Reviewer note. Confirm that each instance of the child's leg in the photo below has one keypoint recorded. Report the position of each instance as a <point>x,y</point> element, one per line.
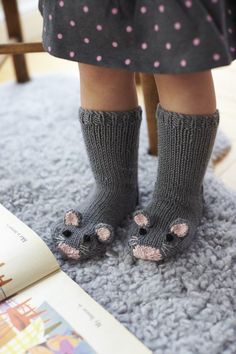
<point>107,89</point>
<point>187,126</point>
<point>187,93</point>
<point>110,120</point>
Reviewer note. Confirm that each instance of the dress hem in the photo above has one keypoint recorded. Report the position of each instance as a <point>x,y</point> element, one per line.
<point>180,70</point>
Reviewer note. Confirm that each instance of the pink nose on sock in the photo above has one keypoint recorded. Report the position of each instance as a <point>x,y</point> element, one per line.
<point>70,252</point>
<point>147,253</point>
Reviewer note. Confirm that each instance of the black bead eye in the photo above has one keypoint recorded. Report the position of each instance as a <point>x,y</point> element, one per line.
<point>87,238</point>
<point>169,237</point>
<point>142,231</point>
<point>67,233</point>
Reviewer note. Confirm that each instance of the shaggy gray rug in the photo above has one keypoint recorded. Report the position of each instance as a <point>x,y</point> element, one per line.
<point>184,306</point>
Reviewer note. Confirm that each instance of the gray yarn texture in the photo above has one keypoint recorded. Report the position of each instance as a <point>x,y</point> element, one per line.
<point>111,140</point>
<point>186,305</point>
<point>185,144</point>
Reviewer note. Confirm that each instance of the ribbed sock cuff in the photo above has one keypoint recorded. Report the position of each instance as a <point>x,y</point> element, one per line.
<point>88,116</point>
<point>173,119</point>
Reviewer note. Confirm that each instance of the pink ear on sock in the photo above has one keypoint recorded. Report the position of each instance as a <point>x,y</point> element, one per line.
<point>103,233</point>
<point>141,219</point>
<point>72,218</point>
<point>180,229</point>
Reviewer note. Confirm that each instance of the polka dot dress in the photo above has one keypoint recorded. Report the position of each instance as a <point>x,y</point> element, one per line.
<point>155,36</point>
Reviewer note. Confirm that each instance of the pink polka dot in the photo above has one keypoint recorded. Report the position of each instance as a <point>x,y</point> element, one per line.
<point>229,11</point>
<point>127,61</point>
<point>86,40</point>
<point>183,62</point>
<point>232,49</point>
<point>50,17</point>
<point>49,49</point>
<point>156,27</point>
<point>59,35</point>
<point>85,9</point>
<point>143,9</point>
<point>61,3</point>
<point>214,1</point>
<point>72,23</point>
<point>216,56</point>
<point>98,57</point>
<point>144,45</point>
<point>168,46</point>
<point>156,64</point>
<point>114,44</point>
<point>72,54</point>
<point>208,18</point>
<point>196,41</point>
<point>99,27</point>
<point>188,3</point>
<point>161,8</point>
<point>177,26</point>
<point>129,29</point>
<point>114,10</point>
<point>230,30</point>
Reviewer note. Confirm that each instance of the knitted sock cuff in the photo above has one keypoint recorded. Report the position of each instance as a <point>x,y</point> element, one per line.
<point>88,116</point>
<point>191,121</point>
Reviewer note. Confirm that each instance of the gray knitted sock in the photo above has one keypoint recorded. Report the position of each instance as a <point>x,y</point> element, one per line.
<point>111,140</point>
<point>168,224</point>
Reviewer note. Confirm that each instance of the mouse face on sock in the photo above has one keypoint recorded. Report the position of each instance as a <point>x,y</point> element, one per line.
<point>151,242</point>
<point>79,242</point>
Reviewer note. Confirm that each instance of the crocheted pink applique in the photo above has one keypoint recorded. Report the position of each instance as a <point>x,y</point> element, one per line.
<point>103,233</point>
<point>180,230</point>
<point>141,219</point>
<point>147,253</point>
<point>70,252</point>
<point>72,218</point>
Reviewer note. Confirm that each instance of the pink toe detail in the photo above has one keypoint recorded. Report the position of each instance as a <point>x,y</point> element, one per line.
<point>147,253</point>
<point>69,251</point>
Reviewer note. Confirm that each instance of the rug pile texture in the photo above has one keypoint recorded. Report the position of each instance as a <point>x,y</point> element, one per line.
<point>187,305</point>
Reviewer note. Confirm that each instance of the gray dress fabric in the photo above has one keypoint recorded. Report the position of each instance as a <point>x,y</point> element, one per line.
<point>155,36</point>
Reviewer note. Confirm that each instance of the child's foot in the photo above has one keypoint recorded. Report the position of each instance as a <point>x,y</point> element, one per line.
<point>111,140</point>
<point>168,224</point>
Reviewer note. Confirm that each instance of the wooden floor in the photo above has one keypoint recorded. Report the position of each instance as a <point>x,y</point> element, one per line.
<point>225,84</point>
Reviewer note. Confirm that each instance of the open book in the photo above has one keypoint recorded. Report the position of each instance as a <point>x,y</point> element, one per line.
<point>42,310</point>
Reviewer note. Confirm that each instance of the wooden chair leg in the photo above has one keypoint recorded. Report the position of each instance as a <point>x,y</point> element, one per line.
<point>151,99</point>
<point>14,31</point>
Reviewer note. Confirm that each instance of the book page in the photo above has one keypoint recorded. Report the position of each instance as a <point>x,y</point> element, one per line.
<point>24,257</point>
<point>56,316</point>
